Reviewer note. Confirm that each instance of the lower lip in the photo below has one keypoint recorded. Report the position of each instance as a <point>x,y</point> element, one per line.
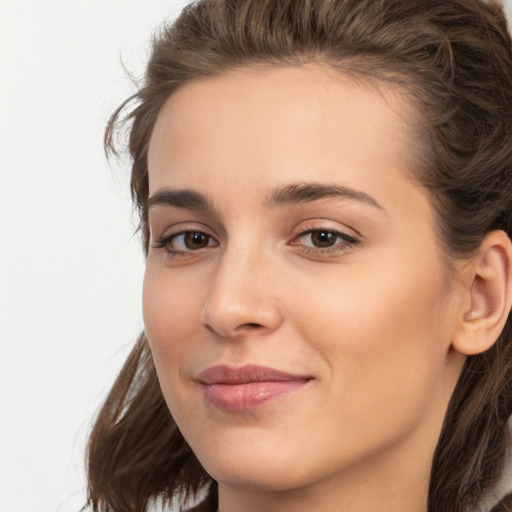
<point>243,397</point>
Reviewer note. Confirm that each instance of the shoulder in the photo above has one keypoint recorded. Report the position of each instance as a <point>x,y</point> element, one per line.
<point>501,498</point>
<point>505,505</point>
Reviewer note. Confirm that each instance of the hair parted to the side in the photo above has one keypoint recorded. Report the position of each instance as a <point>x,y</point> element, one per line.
<point>453,58</point>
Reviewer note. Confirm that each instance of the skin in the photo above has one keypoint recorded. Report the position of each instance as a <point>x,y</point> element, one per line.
<point>370,321</point>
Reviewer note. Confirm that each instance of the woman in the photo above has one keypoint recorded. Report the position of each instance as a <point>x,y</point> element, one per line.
<point>325,194</point>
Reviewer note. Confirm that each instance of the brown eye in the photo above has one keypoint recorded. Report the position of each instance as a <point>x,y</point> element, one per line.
<point>186,241</point>
<point>323,238</point>
<point>324,241</point>
<point>194,240</point>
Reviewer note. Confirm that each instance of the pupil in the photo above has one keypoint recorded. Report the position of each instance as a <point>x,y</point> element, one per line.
<point>323,238</point>
<point>196,240</point>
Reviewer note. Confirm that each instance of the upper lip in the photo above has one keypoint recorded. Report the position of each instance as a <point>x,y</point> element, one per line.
<point>225,374</point>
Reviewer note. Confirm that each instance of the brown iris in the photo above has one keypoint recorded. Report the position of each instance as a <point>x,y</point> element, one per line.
<point>323,238</point>
<point>196,240</point>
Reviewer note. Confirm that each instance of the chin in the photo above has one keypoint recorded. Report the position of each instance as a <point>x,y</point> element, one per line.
<point>249,464</point>
<point>267,477</point>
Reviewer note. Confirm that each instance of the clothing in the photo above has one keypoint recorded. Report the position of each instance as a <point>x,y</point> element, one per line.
<point>505,505</point>
<point>504,487</point>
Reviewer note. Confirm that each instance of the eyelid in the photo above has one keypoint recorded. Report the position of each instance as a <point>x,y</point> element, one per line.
<point>348,240</point>
<point>341,234</point>
<point>185,254</point>
<point>179,228</point>
<point>174,238</point>
<point>325,224</point>
<point>182,228</point>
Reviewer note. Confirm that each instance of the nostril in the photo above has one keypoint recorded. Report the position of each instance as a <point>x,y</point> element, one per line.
<point>240,328</point>
<point>249,326</point>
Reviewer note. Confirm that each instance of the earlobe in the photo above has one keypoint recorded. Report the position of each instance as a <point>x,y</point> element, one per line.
<point>488,281</point>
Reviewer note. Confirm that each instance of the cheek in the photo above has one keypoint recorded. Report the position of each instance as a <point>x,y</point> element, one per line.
<point>383,336</point>
<point>171,310</point>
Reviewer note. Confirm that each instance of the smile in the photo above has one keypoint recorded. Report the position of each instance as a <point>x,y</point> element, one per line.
<point>247,387</point>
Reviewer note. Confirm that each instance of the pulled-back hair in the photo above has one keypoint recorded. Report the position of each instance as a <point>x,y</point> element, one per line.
<point>453,59</point>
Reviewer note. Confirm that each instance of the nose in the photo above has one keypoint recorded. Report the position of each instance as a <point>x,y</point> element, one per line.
<point>243,297</point>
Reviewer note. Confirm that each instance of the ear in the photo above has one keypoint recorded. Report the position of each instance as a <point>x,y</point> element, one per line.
<point>488,295</point>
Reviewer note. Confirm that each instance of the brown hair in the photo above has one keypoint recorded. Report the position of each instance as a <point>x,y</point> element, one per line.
<point>454,59</point>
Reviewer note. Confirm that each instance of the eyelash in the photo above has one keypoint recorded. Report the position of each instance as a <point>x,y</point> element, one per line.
<point>165,243</point>
<point>345,242</point>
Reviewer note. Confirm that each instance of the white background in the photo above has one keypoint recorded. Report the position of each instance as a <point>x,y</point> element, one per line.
<point>70,268</point>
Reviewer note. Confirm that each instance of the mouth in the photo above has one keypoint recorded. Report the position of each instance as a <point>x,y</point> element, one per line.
<point>247,387</point>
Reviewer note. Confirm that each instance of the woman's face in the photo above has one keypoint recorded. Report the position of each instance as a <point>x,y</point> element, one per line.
<point>298,311</point>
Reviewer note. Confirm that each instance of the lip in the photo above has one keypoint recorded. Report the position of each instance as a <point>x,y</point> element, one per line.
<point>247,387</point>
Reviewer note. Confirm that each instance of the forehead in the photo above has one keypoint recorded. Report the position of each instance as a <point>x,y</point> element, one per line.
<point>274,125</point>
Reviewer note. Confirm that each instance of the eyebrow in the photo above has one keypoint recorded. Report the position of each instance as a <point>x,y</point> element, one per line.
<point>308,192</point>
<point>182,198</point>
<point>294,193</point>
